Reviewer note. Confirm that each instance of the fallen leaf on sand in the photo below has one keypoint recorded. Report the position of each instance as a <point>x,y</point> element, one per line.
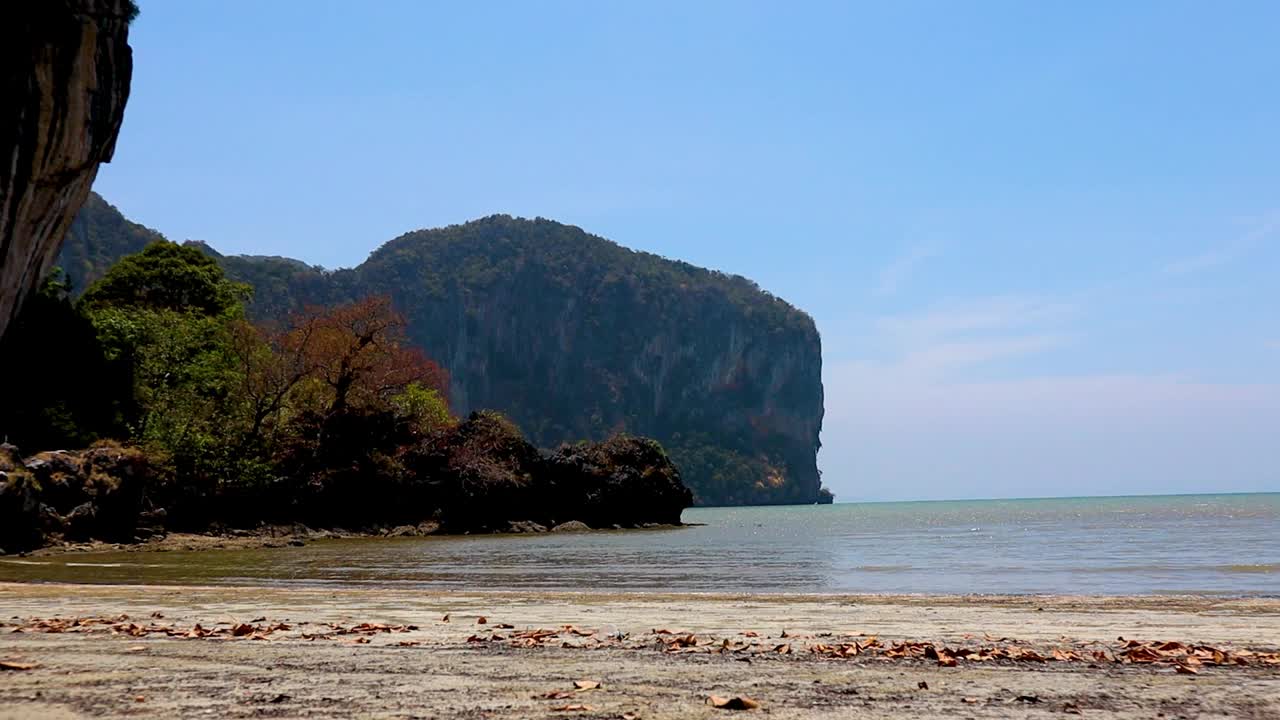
<point>586,684</point>
<point>737,702</point>
<point>482,620</point>
<point>140,698</point>
<point>969,700</point>
<point>138,648</point>
<point>1186,670</point>
<point>573,708</point>
<point>555,695</point>
<point>13,665</point>
<point>629,716</point>
<point>445,618</point>
<point>922,685</point>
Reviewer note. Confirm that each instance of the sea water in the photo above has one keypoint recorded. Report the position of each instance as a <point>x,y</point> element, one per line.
<point>1200,544</point>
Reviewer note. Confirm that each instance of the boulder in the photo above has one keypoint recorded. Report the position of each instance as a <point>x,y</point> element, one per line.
<point>98,494</point>
<point>571,526</point>
<point>10,458</point>
<point>19,512</point>
<point>525,526</point>
<point>81,522</point>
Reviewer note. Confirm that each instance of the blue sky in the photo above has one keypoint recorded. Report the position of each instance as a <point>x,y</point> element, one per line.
<point>1041,240</point>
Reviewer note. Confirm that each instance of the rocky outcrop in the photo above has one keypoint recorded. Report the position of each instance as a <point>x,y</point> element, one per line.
<point>486,477</point>
<point>575,338</point>
<point>19,504</point>
<point>478,476</point>
<point>65,68</point>
<point>99,493</point>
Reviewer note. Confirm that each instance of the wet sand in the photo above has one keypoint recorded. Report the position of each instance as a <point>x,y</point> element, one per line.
<point>433,670</point>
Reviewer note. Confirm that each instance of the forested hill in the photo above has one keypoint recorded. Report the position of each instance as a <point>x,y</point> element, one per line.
<point>574,337</point>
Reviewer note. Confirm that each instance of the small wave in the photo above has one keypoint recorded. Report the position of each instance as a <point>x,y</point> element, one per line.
<point>26,562</point>
<point>1258,568</point>
<point>882,568</point>
<point>89,564</point>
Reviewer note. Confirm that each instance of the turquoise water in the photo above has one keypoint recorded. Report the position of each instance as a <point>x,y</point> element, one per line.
<point>1205,544</point>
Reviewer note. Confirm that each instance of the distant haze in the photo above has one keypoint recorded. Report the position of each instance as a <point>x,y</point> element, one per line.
<point>1041,242</point>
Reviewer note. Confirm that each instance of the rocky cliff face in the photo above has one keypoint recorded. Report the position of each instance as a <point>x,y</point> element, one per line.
<point>575,338</point>
<point>65,67</point>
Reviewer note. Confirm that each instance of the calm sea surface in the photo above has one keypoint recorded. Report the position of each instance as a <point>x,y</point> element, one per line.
<point>1215,544</point>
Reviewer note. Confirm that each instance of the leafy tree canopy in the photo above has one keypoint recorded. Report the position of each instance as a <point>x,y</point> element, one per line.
<point>169,276</point>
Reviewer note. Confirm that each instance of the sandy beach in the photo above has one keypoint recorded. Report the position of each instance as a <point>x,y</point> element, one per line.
<point>164,652</point>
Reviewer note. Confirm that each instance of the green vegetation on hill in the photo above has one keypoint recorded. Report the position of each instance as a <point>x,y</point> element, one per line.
<point>575,337</point>
<point>331,417</point>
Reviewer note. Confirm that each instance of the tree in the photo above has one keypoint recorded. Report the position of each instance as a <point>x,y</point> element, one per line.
<point>360,354</point>
<point>61,390</point>
<point>272,364</point>
<point>424,407</point>
<point>169,276</point>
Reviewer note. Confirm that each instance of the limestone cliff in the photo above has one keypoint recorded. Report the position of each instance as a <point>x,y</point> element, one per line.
<point>65,67</point>
<point>574,337</point>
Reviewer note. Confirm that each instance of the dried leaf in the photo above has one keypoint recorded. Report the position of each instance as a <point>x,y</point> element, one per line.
<point>1186,670</point>
<point>573,708</point>
<point>482,620</point>
<point>737,702</point>
<point>586,684</point>
<point>14,665</point>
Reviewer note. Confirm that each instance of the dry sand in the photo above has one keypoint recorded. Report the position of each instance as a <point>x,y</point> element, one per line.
<point>437,673</point>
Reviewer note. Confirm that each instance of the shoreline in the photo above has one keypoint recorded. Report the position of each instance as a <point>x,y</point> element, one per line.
<point>392,653</point>
<point>280,536</point>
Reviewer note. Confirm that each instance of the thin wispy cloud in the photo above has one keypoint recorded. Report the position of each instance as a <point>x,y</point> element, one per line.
<point>1226,252</point>
<point>989,315</point>
<point>942,341</point>
<point>896,273</point>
